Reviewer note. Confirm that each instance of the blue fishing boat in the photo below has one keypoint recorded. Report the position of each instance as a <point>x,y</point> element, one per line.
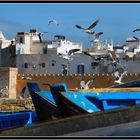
<point>93,100</point>
<point>71,103</point>
<point>10,120</point>
<point>62,102</point>
<point>44,103</point>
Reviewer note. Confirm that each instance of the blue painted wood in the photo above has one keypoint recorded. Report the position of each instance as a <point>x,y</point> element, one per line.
<point>100,100</point>
<point>70,103</point>
<point>65,103</point>
<point>44,102</point>
<point>16,119</point>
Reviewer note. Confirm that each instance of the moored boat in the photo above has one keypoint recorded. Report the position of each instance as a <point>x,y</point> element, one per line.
<point>10,120</point>
<point>44,103</point>
<point>76,102</point>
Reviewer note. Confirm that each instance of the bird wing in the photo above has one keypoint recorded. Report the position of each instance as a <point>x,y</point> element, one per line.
<point>23,92</point>
<point>93,24</point>
<point>86,53</point>
<point>40,39</point>
<point>89,83</point>
<point>98,34</point>
<point>51,21</point>
<point>138,29</point>
<point>135,38</point>
<point>91,33</point>
<point>72,51</point>
<point>124,73</point>
<point>79,27</point>
<point>116,74</point>
<point>82,84</point>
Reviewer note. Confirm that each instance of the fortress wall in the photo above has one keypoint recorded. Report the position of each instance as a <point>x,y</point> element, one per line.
<point>72,80</point>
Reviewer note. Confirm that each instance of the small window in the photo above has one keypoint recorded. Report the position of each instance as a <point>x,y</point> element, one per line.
<point>26,65</point>
<point>45,50</point>
<point>43,65</point>
<point>53,62</point>
<point>80,69</point>
<point>21,39</point>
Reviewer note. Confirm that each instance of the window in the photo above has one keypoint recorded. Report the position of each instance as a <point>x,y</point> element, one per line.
<point>53,62</point>
<point>45,50</point>
<point>80,69</point>
<point>26,65</point>
<point>43,65</point>
<point>21,39</point>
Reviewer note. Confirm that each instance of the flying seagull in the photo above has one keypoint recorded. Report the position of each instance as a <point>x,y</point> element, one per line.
<point>135,38</point>
<point>119,77</point>
<point>138,29</point>
<point>88,30</point>
<point>86,85</point>
<point>52,21</point>
<point>73,51</point>
<point>40,36</point>
<point>86,53</point>
<point>69,54</point>
<point>98,35</point>
<point>22,93</point>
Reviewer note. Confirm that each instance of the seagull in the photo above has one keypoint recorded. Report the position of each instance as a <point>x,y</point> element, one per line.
<point>69,54</point>
<point>21,95</point>
<point>98,35</point>
<point>135,38</point>
<point>96,39</point>
<point>138,29</point>
<point>86,53</point>
<point>52,21</point>
<point>119,77</point>
<point>88,30</point>
<point>114,62</point>
<point>86,85</point>
<point>40,34</point>
<point>26,78</point>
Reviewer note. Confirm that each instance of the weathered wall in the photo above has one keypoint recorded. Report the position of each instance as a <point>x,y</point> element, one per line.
<point>8,57</point>
<point>12,82</point>
<point>8,78</point>
<point>48,59</point>
<point>72,80</point>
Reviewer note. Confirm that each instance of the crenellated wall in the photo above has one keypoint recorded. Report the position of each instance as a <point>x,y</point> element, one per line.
<point>72,80</point>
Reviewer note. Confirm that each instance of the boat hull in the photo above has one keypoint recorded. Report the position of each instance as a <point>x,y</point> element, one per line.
<point>10,120</point>
<point>46,109</point>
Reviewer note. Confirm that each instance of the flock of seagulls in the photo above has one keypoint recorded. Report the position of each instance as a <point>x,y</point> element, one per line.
<point>68,55</point>
<point>118,73</point>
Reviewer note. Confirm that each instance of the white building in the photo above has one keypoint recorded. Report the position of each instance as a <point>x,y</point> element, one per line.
<point>30,43</point>
<point>3,41</point>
